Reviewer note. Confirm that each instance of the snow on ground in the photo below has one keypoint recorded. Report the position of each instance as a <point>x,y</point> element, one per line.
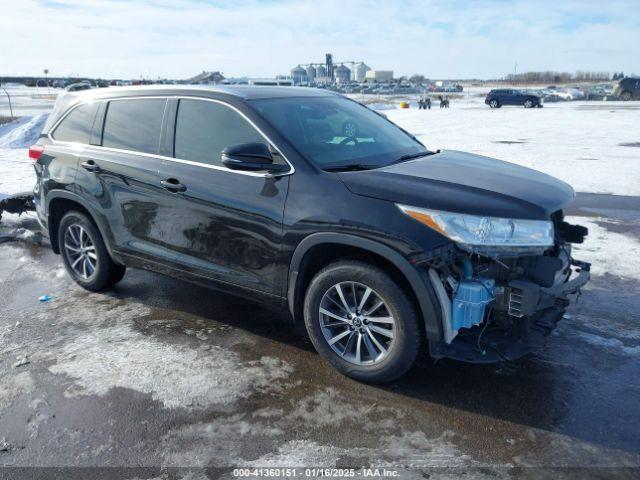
<point>610,253</point>
<point>16,169</point>
<point>581,143</point>
<point>26,101</point>
<point>118,356</point>
<point>409,450</point>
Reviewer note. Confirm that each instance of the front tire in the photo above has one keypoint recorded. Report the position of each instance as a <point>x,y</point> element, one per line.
<point>528,104</point>
<point>494,103</point>
<point>362,322</point>
<point>625,96</point>
<point>85,255</point>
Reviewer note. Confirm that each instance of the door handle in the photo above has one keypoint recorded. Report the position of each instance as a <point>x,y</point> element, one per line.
<point>173,185</point>
<point>90,165</point>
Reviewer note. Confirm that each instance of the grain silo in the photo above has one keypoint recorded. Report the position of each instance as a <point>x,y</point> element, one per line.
<point>343,74</point>
<point>298,75</point>
<point>359,72</point>
<point>321,71</point>
<point>311,73</point>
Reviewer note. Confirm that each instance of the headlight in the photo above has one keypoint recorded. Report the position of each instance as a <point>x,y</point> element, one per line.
<point>477,233</point>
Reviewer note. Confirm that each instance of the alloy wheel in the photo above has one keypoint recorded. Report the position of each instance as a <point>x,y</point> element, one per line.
<point>357,323</point>
<point>80,251</point>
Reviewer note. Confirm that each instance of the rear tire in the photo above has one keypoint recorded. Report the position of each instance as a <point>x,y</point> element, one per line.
<point>625,96</point>
<point>376,345</point>
<point>85,255</point>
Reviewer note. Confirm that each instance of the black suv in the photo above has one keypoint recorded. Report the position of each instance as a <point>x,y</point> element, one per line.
<point>627,89</point>
<point>510,96</point>
<point>379,245</point>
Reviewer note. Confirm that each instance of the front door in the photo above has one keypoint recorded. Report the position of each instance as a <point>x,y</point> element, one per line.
<point>222,224</point>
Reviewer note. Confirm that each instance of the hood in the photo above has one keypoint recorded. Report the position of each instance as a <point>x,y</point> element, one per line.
<point>464,183</point>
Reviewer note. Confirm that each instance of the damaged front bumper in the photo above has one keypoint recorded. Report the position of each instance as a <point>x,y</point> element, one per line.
<point>519,303</point>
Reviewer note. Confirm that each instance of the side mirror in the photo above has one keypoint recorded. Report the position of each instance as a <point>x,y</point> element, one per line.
<point>252,157</point>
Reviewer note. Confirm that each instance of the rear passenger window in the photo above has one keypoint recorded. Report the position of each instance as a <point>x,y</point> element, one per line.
<point>204,129</point>
<point>134,124</point>
<point>76,127</point>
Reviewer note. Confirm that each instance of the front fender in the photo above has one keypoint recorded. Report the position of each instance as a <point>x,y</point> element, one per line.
<point>416,277</point>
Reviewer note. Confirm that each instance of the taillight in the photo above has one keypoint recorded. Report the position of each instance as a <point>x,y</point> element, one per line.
<point>35,152</point>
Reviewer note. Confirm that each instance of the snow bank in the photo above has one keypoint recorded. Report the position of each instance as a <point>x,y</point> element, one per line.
<point>16,170</point>
<point>22,133</point>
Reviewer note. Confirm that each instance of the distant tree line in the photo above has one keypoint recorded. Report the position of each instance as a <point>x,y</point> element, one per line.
<point>561,77</point>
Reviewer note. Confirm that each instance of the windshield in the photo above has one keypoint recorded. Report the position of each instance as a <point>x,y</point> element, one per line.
<point>335,132</point>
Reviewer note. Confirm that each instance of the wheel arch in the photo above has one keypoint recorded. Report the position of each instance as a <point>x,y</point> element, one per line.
<point>58,203</point>
<point>319,249</point>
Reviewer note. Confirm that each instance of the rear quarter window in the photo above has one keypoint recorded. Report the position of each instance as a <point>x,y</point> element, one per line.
<point>134,124</point>
<point>76,126</point>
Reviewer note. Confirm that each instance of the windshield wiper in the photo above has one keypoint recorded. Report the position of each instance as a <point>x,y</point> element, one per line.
<point>352,167</point>
<point>411,156</point>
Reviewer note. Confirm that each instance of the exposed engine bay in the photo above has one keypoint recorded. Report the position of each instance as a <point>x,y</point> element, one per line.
<point>501,306</point>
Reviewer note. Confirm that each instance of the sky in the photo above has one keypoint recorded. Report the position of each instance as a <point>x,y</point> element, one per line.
<point>439,39</point>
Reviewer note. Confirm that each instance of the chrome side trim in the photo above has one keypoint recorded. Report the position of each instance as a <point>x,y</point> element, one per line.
<point>172,159</point>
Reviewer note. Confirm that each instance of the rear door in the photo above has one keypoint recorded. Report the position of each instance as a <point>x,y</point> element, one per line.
<point>58,168</point>
<point>119,173</point>
<point>219,223</point>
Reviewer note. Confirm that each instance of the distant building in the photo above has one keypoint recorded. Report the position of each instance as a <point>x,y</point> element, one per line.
<point>311,73</point>
<point>342,74</point>
<point>321,72</point>
<point>299,75</point>
<point>207,78</point>
<point>359,72</point>
<point>379,76</point>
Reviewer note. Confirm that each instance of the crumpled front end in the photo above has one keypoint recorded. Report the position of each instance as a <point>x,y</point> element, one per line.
<point>500,307</point>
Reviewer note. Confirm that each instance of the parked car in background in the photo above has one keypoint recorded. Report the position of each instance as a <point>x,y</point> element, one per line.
<point>381,247</point>
<point>562,94</point>
<point>627,89</point>
<point>575,93</point>
<point>508,96</point>
<point>76,87</point>
<point>598,92</point>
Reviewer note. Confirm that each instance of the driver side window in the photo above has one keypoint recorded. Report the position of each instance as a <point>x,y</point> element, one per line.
<point>204,129</point>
